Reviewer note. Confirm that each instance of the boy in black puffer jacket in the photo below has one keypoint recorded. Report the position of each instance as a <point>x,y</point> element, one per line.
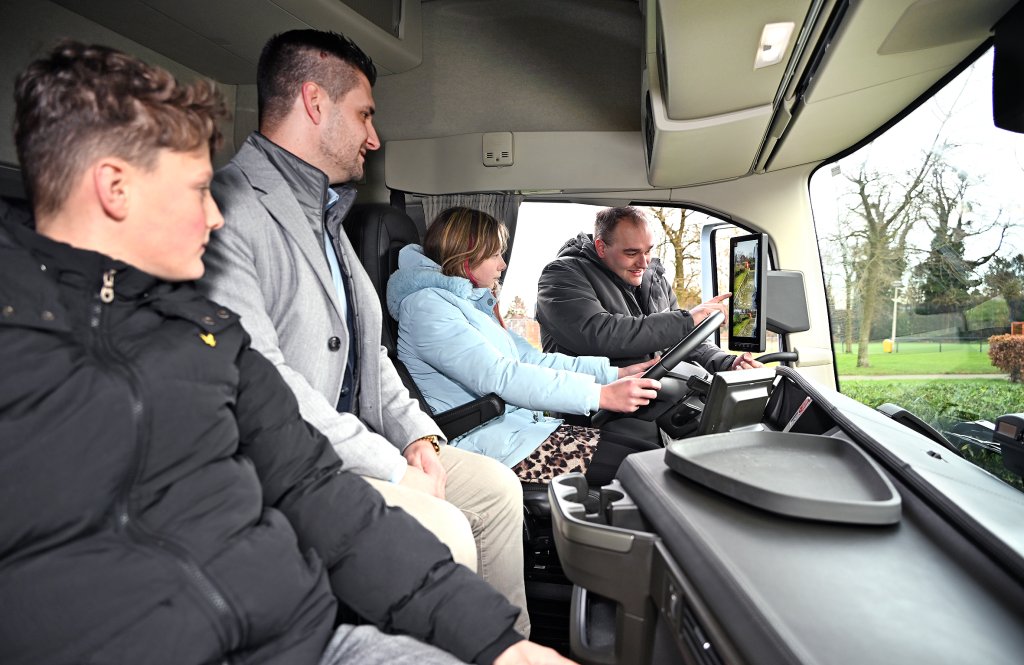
<point>163,500</point>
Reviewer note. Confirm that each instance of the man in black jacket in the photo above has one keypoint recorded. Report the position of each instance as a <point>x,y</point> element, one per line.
<point>606,296</point>
<point>163,500</point>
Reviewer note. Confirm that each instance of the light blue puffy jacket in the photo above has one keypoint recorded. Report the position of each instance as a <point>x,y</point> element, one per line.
<point>456,351</point>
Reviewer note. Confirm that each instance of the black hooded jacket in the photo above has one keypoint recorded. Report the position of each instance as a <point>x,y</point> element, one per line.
<point>163,501</point>
<point>584,309</point>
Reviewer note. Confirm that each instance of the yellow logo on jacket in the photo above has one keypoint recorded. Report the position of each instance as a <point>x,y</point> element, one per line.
<point>208,338</point>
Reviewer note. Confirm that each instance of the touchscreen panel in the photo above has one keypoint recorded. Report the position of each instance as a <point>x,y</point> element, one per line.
<point>748,267</point>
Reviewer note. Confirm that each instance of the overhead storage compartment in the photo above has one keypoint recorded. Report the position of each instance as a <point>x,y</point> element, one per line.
<point>697,129</point>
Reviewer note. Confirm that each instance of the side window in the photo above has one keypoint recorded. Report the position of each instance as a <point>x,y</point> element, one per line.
<point>921,239</point>
<point>543,229</point>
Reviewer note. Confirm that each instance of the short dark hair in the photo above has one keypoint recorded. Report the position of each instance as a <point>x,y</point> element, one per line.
<point>81,102</point>
<point>291,58</point>
<point>609,218</point>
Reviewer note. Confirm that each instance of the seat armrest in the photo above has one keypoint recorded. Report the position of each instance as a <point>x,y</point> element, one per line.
<point>456,422</point>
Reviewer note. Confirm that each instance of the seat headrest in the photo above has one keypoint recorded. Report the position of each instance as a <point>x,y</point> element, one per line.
<point>378,232</point>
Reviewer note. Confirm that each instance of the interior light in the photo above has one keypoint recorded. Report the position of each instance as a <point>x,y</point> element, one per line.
<point>774,41</point>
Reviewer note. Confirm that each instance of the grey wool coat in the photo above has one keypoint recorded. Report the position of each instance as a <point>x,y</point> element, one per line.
<point>268,264</point>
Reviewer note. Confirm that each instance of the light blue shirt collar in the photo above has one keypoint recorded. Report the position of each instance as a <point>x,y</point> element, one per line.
<point>332,257</point>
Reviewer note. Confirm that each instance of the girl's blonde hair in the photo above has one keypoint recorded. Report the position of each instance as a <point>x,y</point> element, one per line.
<point>463,237</point>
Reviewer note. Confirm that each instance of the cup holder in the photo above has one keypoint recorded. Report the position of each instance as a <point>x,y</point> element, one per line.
<point>598,505</point>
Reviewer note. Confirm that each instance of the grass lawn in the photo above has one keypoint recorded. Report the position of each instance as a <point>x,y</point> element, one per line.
<point>919,358</point>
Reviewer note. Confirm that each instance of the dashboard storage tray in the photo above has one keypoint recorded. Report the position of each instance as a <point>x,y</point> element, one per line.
<point>797,475</point>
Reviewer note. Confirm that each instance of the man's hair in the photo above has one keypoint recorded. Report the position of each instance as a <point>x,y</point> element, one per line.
<point>83,102</point>
<point>461,236</point>
<point>291,58</point>
<point>609,218</point>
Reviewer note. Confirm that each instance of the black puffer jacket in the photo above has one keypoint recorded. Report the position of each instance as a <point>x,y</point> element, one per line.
<point>584,309</point>
<point>163,502</point>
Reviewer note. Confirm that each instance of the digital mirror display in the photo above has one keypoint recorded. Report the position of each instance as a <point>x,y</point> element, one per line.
<point>748,267</point>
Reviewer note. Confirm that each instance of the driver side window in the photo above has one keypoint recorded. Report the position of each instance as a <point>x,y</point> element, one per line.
<point>680,244</point>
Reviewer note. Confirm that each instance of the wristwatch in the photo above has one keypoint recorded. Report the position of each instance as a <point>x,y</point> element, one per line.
<point>432,438</point>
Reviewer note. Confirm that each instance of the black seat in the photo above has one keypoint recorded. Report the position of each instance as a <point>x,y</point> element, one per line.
<point>378,232</point>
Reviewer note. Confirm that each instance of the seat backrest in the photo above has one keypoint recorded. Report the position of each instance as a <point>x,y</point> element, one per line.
<point>378,232</point>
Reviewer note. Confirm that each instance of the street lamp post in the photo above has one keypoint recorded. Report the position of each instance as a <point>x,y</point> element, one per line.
<point>895,302</point>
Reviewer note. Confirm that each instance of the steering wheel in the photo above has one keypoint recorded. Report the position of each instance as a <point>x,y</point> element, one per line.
<point>676,355</point>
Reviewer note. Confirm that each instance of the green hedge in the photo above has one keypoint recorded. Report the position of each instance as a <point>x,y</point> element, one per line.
<point>942,403</point>
<point>1007,353</point>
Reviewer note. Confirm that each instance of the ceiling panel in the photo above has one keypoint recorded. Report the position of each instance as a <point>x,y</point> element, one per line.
<point>223,39</point>
<point>709,49</point>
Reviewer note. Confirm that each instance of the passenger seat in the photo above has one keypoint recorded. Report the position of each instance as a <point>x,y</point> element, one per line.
<point>378,232</point>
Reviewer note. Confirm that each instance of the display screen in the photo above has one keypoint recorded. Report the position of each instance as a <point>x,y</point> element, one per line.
<point>748,266</point>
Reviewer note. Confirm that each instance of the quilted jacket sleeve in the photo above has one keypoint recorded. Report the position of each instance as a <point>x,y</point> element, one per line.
<point>572,313</point>
<point>438,333</point>
<point>595,366</point>
<point>381,562</point>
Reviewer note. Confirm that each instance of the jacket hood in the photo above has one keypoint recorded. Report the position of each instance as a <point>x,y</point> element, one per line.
<point>582,246</point>
<point>416,272</point>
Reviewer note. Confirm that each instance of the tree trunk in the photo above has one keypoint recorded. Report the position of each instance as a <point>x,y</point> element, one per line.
<point>848,337</point>
<point>866,317</point>
<point>679,283</point>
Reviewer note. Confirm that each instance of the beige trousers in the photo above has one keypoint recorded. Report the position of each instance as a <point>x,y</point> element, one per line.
<point>481,522</point>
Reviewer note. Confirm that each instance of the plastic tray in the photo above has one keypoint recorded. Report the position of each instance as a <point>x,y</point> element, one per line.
<point>798,475</point>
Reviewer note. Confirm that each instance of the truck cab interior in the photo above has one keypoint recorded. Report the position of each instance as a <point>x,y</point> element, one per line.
<point>727,109</point>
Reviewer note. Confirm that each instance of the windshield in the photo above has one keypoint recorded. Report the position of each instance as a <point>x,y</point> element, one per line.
<point>921,238</point>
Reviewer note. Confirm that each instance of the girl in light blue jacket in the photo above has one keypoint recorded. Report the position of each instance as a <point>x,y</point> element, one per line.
<point>456,347</point>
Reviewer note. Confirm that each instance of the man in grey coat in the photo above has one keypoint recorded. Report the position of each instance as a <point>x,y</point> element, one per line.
<point>606,296</point>
<point>284,263</point>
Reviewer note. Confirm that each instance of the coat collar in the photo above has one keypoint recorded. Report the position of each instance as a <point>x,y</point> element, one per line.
<point>417,272</point>
<point>295,194</point>
<point>80,268</point>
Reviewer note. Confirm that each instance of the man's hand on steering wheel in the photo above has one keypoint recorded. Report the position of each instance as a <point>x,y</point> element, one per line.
<point>638,368</point>
<point>746,361</point>
<point>629,394</point>
<point>716,304</point>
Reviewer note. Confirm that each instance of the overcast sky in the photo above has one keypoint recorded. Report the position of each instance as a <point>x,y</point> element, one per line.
<point>992,157</point>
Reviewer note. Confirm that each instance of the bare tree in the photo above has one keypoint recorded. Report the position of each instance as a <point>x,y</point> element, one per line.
<point>946,278</point>
<point>883,210</point>
<point>682,239</point>
<point>845,248</point>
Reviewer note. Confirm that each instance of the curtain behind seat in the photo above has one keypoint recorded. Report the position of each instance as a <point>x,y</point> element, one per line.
<point>503,207</point>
